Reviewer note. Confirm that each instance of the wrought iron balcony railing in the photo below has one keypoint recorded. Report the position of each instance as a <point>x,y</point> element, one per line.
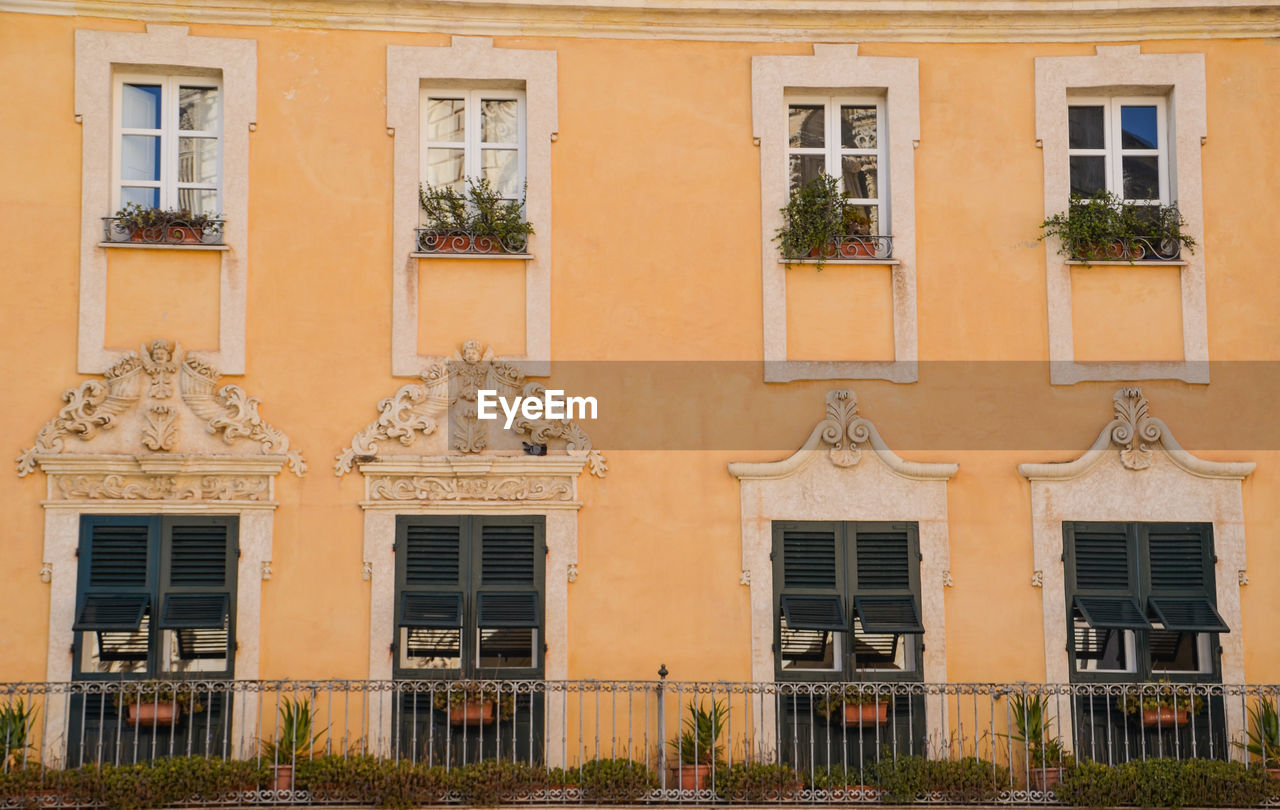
<point>171,232</point>
<point>681,742</point>
<point>860,246</point>
<point>434,240</point>
<point>1128,249</point>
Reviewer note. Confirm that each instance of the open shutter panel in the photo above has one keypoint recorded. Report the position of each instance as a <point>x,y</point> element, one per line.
<point>432,611</point>
<point>115,594</point>
<point>111,611</point>
<point>507,609</point>
<point>194,611</point>
<point>883,559</point>
<point>1102,558</point>
<point>1112,612</point>
<point>1193,614</point>
<point>888,614</point>
<point>813,612</point>
<point>432,554</point>
<point>809,558</point>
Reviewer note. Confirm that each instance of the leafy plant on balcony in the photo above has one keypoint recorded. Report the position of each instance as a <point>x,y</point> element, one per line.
<point>481,213</point>
<point>293,734</point>
<point>134,217</point>
<point>1164,783</point>
<point>17,721</point>
<point>1104,227</point>
<point>458,697</point>
<point>699,741</point>
<point>817,216</point>
<point>1030,717</point>
<point>1163,695</point>
<point>157,692</point>
<point>849,695</point>
<point>1263,733</point>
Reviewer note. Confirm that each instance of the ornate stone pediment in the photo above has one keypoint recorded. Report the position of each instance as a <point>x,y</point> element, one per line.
<point>156,426</point>
<point>1134,434</point>
<point>437,417</point>
<point>477,481</point>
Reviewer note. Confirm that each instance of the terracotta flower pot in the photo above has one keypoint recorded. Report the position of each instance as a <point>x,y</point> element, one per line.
<point>281,777</point>
<point>1165,717</point>
<point>1043,779</point>
<point>168,234</point>
<point>150,713</point>
<point>467,244</point>
<point>692,777</point>
<point>856,249</point>
<point>867,714</point>
<point>473,713</point>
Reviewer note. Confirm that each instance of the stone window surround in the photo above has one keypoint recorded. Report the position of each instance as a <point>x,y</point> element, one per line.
<point>838,68</point>
<point>807,487</point>
<point>380,513</point>
<point>1124,70</point>
<point>162,48</point>
<point>62,539</point>
<point>470,59</point>
<point>1157,482</point>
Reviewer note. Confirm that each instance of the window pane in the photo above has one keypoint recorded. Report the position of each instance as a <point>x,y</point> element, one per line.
<point>860,176</point>
<point>197,160</point>
<point>198,201</point>
<point>140,106</point>
<point>446,119</point>
<point>808,649</point>
<point>445,168</point>
<point>198,108</point>
<point>1102,650</point>
<point>498,123</point>
<point>421,648</point>
<point>1177,652</point>
<point>115,651</point>
<point>807,125</point>
<point>858,127</point>
<point>191,650</point>
<point>507,647</point>
<point>501,167</point>
<point>1084,128</point>
<point>1088,174</point>
<point>1138,128</point>
<point>881,651</point>
<point>805,168</point>
<point>1141,178</point>
<point>863,219</point>
<point>146,197</point>
<point>140,157</point>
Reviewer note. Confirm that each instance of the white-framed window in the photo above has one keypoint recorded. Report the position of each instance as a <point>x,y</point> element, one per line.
<point>474,133</point>
<point>843,136</point>
<point>1121,145</point>
<point>167,150</point>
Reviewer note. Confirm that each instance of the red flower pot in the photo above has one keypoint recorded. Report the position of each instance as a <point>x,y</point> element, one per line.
<point>867,714</point>
<point>1165,717</point>
<point>473,713</point>
<point>150,713</point>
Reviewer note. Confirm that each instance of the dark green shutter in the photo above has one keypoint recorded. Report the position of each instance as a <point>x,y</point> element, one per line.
<point>432,553</point>
<point>1102,576</point>
<point>813,612</point>
<point>511,561</point>
<point>115,573</point>
<point>809,556</point>
<point>1112,612</point>
<point>431,572</point>
<point>199,562</point>
<point>885,558</point>
<point>1193,614</point>
<point>888,614</point>
<point>1182,592</point>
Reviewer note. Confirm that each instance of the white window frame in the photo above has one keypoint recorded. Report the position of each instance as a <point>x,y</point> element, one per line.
<point>1113,150</point>
<point>471,144</point>
<point>169,135</point>
<point>833,150</point>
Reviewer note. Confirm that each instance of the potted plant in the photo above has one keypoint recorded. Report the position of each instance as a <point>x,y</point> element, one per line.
<point>1264,736</point>
<point>1104,227</point>
<point>140,223</point>
<point>820,223</point>
<point>17,720</point>
<point>859,706</point>
<point>475,704</point>
<point>1161,705</point>
<point>157,703</point>
<point>293,741</point>
<point>1046,756</point>
<point>480,220</point>
<point>698,745</point>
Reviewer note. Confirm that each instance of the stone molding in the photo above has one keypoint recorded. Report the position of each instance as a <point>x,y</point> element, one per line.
<point>469,59</point>
<point>731,20</point>
<point>459,482</point>
<point>163,48</point>
<point>1125,70</point>
<point>838,66</point>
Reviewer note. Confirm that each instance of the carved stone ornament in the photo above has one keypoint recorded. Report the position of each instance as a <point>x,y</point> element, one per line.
<point>1133,429</point>
<point>429,488</point>
<point>844,429</point>
<point>157,427</point>
<point>572,573</point>
<point>447,397</point>
<point>1037,578</point>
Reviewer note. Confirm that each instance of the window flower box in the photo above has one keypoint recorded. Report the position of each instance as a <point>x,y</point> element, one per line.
<point>479,221</point>
<point>820,222</point>
<point>1105,227</point>
<point>155,226</point>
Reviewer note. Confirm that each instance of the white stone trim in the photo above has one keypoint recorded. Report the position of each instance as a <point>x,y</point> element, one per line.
<point>561,562</point>
<point>1123,69</point>
<point>838,67</point>
<point>470,59</point>
<point>825,480</point>
<point>164,47</point>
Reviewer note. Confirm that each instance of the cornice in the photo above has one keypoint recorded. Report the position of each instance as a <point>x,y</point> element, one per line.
<point>722,20</point>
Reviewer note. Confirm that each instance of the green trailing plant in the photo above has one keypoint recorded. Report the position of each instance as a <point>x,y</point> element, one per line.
<point>1030,716</point>
<point>1164,783</point>
<point>1092,227</point>
<point>155,691</point>
<point>480,212</point>
<point>134,217</point>
<point>906,778</point>
<point>17,722</point>
<point>816,218</point>
<point>366,779</point>
<point>1163,695</point>
<point>496,781</point>
<point>1263,734</point>
<point>294,737</point>
<point>615,781</point>
<point>458,697</point>
<point>757,783</point>
<point>699,739</point>
<point>833,703</point>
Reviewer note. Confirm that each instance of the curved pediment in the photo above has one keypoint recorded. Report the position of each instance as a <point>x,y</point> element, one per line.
<point>843,435</point>
<point>1134,435</point>
<point>155,426</point>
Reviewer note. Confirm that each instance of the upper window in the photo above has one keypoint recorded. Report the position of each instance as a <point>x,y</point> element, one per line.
<point>1141,600</point>
<point>847,599</point>
<point>168,144</point>
<point>1119,145</point>
<point>156,596</point>
<point>844,138</point>
<point>474,134</point>
<point>469,596</point>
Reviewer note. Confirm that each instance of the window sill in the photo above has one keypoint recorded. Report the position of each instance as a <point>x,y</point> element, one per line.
<point>881,262</point>
<point>160,246</point>
<point>1134,263</point>
<point>444,255</point>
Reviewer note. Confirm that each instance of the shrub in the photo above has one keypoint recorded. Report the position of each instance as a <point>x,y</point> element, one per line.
<point>163,782</point>
<point>495,781</point>
<point>756,783</point>
<point>1164,783</point>
<point>969,779</point>
<point>366,779</point>
<point>481,212</point>
<point>816,216</point>
<point>616,780</point>
<point>1091,226</point>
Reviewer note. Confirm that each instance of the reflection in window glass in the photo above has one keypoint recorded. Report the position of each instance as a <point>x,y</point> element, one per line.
<point>858,127</point>
<point>860,177</point>
<point>805,168</point>
<point>806,126</point>
<point>1178,652</point>
<point>115,651</point>
<point>1138,128</point>
<point>1086,127</point>
<point>1141,178</point>
<point>445,167</point>
<point>141,106</point>
<point>809,649</point>
<point>499,122</point>
<point>446,119</point>
<point>507,647</point>
<point>1102,650</point>
<point>422,648</point>
<point>1088,174</point>
<point>501,167</point>
<point>194,650</point>
<point>881,651</point>
<point>198,109</point>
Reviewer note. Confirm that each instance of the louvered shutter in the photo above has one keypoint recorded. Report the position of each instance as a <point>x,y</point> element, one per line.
<point>1102,562</point>
<point>886,575</point>
<point>199,573</point>
<point>807,562</point>
<point>431,572</point>
<point>1180,564</point>
<point>115,573</point>
<point>510,562</point>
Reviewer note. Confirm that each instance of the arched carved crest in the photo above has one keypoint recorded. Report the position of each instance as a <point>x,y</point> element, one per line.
<point>156,426</point>
<point>446,398</point>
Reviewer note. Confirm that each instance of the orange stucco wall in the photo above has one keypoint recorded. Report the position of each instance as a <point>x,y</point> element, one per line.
<point>656,199</point>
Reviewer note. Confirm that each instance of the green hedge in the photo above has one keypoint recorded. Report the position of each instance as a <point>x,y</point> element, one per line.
<point>1165,783</point>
